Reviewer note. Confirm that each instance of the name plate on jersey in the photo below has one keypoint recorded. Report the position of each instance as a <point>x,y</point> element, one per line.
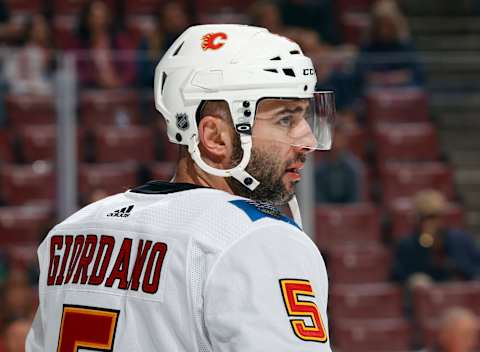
<point>132,265</point>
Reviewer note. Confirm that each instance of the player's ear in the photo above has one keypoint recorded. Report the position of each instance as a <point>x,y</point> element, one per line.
<point>215,139</point>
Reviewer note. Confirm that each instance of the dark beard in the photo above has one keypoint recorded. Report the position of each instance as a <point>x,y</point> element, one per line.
<point>267,169</point>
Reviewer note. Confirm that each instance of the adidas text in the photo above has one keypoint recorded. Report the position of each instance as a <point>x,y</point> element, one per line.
<point>122,213</point>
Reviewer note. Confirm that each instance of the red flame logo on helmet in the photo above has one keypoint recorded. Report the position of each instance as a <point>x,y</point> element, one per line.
<point>213,41</point>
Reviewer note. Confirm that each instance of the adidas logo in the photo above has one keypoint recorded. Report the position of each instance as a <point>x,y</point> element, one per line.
<point>122,213</point>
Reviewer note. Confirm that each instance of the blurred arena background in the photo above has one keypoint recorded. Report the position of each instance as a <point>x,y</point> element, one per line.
<point>77,123</point>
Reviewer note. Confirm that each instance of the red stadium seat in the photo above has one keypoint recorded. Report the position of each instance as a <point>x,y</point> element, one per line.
<point>343,6</point>
<point>367,301</point>
<point>63,30</point>
<point>26,183</point>
<point>225,15</point>
<point>403,217</point>
<point>39,142</point>
<point>404,180</point>
<point>406,142</point>
<point>75,6</point>
<point>6,153</point>
<point>24,224</point>
<point>162,171</point>
<point>22,255</point>
<point>215,6</point>
<point>359,264</point>
<point>358,139</point>
<point>99,107</point>
<point>25,6</point>
<point>378,335</point>
<point>120,144</point>
<point>356,223</point>
<point>110,178</point>
<point>26,109</point>
<point>429,332</point>
<point>397,105</point>
<point>430,302</point>
<point>146,7</point>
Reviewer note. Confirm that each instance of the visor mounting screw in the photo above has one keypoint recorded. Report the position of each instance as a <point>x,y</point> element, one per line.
<point>246,104</point>
<point>248,181</point>
<point>305,88</point>
<point>178,137</point>
<point>247,113</point>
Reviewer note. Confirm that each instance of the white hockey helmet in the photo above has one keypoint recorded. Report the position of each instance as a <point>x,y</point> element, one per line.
<point>240,65</point>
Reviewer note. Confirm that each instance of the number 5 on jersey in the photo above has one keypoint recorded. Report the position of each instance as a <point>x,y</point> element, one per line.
<point>87,327</point>
<point>302,309</point>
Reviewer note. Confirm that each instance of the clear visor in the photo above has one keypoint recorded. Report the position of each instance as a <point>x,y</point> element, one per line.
<point>299,122</point>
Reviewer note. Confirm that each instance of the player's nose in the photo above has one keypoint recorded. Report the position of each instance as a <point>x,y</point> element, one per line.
<point>305,138</point>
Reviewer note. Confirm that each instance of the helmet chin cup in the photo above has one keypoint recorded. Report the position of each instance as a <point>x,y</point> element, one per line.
<point>245,178</point>
<point>238,172</point>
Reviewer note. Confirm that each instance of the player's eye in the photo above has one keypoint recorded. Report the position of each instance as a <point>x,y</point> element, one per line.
<point>285,121</point>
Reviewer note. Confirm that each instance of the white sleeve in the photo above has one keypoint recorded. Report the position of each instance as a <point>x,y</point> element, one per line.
<point>35,337</point>
<point>268,292</point>
<point>35,341</point>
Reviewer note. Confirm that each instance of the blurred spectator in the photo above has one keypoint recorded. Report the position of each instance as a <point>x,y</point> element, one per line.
<point>313,14</point>
<point>15,335</point>
<point>388,58</point>
<point>266,13</point>
<point>174,21</point>
<point>171,21</point>
<point>339,173</point>
<point>332,66</point>
<point>3,266</point>
<point>29,70</point>
<point>17,297</point>
<point>433,250</point>
<point>457,332</point>
<point>10,31</point>
<point>106,57</point>
<point>9,34</point>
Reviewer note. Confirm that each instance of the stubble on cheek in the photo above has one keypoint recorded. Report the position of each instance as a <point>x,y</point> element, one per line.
<point>267,167</point>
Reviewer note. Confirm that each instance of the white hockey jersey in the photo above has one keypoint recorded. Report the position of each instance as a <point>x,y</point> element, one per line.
<point>177,267</point>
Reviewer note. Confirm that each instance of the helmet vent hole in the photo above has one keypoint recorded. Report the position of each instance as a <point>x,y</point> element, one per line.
<point>295,52</point>
<point>274,70</point>
<point>289,72</point>
<point>164,78</point>
<point>276,58</point>
<point>178,49</point>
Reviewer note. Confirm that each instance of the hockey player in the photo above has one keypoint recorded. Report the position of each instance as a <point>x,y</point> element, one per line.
<point>207,262</point>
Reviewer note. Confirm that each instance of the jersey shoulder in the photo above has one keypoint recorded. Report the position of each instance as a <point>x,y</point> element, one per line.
<point>93,210</point>
<point>228,219</point>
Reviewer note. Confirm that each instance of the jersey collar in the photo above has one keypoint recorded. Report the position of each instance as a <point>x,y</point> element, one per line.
<point>160,187</point>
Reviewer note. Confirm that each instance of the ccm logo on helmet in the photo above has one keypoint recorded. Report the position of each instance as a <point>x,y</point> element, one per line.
<point>213,41</point>
<point>308,72</point>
